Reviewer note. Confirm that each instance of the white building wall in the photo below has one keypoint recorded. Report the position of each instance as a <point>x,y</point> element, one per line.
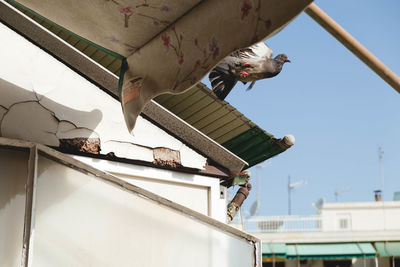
<point>363,216</point>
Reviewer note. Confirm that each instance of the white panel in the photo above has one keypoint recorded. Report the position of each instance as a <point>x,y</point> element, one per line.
<point>191,196</point>
<point>129,172</point>
<point>84,221</point>
<point>13,176</point>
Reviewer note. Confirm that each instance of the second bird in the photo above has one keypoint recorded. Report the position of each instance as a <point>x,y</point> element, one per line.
<point>246,65</point>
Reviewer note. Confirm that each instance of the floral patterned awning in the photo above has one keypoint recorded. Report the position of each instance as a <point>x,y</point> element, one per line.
<point>168,46</point>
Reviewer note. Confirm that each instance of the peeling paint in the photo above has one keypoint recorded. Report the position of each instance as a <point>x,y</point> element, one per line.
<point>30,121</point>
<point>127,150</point>
<point>87,145</point>
<point>189,159</point>
<point>166,157</point>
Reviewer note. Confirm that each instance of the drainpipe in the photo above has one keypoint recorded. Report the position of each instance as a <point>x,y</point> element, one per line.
<point>240,197</point>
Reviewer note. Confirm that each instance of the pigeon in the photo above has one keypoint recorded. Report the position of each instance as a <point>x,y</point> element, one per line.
<point>246,65</point>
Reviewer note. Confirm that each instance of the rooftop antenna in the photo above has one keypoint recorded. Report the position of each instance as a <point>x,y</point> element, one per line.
<point>339,192</point>
<point>380,157</point>
<point>292,186</point>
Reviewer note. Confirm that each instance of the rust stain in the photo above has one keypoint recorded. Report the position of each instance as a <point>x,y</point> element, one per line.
<point>131,90</point>
<point>80,144</point>
<point>166,157</point>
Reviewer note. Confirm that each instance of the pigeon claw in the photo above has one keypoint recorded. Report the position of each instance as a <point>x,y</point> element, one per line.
<point>244,74</point>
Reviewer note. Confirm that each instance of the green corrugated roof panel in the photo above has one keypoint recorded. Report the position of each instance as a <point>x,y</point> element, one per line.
<point>254,146</point>
<point>223,123</point>
<point>388,249</point>
<point>330,251</point>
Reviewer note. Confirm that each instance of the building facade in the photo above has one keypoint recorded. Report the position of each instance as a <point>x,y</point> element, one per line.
<point>340,234</point>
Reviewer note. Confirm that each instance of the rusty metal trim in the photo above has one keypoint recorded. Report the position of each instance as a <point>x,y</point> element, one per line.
<point>29,205</point>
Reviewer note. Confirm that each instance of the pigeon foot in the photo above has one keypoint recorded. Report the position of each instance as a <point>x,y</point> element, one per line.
<point>244,74</point>
<point>247,64</point>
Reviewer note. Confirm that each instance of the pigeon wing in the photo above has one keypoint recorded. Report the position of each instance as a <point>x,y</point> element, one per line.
<point>257,51</point>
<point>222,79</point>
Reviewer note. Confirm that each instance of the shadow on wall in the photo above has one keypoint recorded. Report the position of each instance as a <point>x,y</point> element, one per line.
<point>29,116</point>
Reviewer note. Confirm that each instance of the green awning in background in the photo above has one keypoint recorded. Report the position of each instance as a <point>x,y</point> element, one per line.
<point>275,250</point>
<point>388,249</point>
<point>330,251</point>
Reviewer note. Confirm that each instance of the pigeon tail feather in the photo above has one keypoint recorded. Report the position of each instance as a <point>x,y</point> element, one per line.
<point>221,82</point>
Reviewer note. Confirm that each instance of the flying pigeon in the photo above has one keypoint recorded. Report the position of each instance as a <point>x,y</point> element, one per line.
<point>246,65</point>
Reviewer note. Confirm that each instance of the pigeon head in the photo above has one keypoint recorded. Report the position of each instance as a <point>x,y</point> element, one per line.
<point>281,58</point>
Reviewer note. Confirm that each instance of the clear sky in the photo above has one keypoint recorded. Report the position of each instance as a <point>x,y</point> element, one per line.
<point>338,110</point>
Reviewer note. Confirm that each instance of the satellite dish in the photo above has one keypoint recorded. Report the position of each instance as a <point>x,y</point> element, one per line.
<point>319,204</point>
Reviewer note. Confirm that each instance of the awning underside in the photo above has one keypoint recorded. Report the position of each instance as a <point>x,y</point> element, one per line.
<point>388,249</point>
<point>319,251</point>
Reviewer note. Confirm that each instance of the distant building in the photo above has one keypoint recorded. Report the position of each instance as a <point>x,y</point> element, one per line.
<point>361,234</point>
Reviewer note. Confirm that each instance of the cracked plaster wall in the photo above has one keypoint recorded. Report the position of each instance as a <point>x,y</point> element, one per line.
<point>42,100</point>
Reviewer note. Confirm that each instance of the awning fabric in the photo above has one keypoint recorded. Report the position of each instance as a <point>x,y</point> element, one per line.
<point>167,46</point>
<point>388,249</point>
<point>319,251</point>
<point>273,250</point>
<point>330,251</point>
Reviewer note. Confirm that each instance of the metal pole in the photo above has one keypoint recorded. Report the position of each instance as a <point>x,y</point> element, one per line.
<point>354,46</point>
<point>380,156</point>
<point>289,197</point>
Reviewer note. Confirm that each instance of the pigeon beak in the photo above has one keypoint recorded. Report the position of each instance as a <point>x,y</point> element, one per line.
<point>287,60</point>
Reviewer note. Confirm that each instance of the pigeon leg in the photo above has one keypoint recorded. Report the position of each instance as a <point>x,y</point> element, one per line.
<point>244,74</point>
<point>247,64</point>
<point>251,85</point>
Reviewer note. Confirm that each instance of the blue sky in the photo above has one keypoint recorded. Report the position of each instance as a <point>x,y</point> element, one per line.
<point>339,111</point>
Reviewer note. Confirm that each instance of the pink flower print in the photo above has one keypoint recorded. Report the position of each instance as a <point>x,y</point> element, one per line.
<point>127,12</point>
<point>166,41</point>
<point>180,58</point>
<point>165,8</point>
<point>246,7</point>
<point>114,39</point>
<point>197,64</point>
<point>165,22</point>
<point>213,47</point>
